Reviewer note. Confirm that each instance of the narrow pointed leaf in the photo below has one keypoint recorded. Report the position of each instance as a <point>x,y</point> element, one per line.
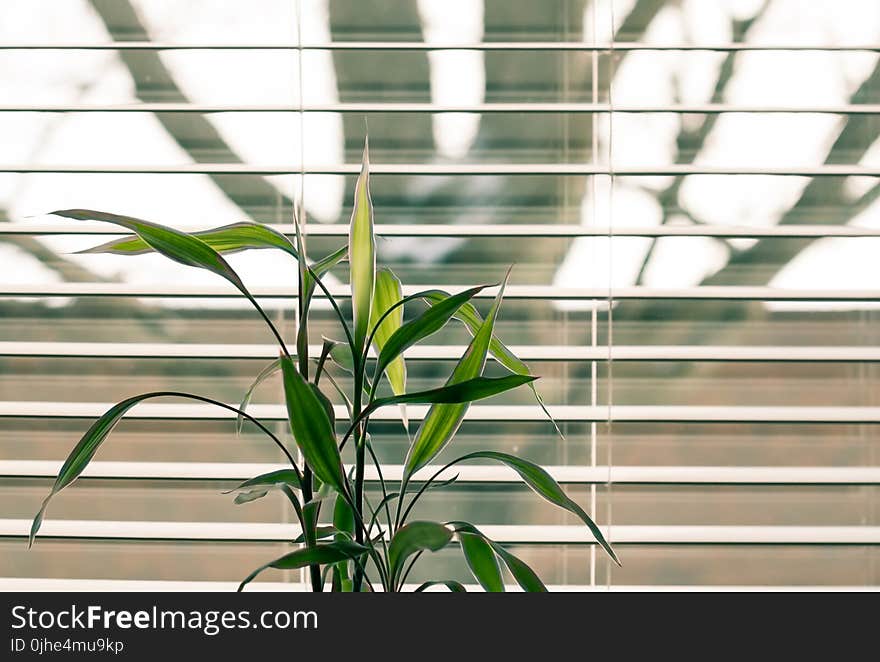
<point>415,537</point>
<point>362,254</point>
<point>321,533</point>
<point>471,318</point>
<point>443,420</point>
<point>482,561</point>
<point>311,426</point>
<point>331,552</point>
<point>225,239</point>
<point>544,485</point>
<point>270,480</point>
<point>426,324</point>
<point>469,390</point>
<point>452,585</point>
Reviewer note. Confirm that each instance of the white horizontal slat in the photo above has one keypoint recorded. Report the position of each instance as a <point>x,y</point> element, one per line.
<point>450,352</point>
<point>527,231</point>
<point>547,292</point>
<point>423,46</point>
<point>491,413</point>
<point>447,169</point>
<point>470,473</point>
<point>547,534</point>
<point>429,107</point>
<point>42,584</point>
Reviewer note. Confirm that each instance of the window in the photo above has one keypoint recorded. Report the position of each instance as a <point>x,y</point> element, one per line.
<point>688,191</point>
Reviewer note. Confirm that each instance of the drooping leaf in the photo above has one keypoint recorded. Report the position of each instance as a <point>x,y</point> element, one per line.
<point>388,293</point>
<point>266,372</point>
<point>544,485</point>
<point>331,552</point>
<point>415,537</point>
<point>270,480</point>
<point>523,574</point>
<point>482,561</point>
<point>452,585</point>
<point>178,246</point>
<point>426,324</point>
<point>471,318</point>
<point>362,254</point>
<point>225,239</point>
<point>312,428</point>
<point>443,420</point>
<point>90,442</point>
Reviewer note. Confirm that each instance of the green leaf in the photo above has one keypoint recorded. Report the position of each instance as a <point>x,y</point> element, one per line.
<point>426,324</point>
<point>180,247</point>
<point>415,537</point>
<point>341,355</point>
<point>469,390</point>
<point>454,586</point>
<point>247,497</point>
<point>267,372</point>
<point>270,480</point>
<point>443,420</point>
<point>331,552</point>
<point>482,561</point>
<point>312,428</point>
<point>388,293</point>
<point>88,445</point>
<point>362,254</point>
<point>225,239</point>
<point>521,571</point>
<point>472,320</point>
<point>544,485</point>
<point>321,532</point>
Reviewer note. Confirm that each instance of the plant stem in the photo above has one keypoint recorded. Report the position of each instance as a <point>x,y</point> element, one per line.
<point>360,443</point>
<point>309,530</point>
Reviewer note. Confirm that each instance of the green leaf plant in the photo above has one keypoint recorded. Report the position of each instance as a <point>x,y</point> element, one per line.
<point>367,547</point>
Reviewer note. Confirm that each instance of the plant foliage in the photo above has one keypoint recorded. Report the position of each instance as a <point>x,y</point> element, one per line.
<point>366,547</point>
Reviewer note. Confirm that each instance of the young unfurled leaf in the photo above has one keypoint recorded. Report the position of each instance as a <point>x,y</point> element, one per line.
<point>331,552</point>
<point>265,373</point>
<point>388,293</point>
<point>482,561</point>
<point>443,420</point>
<point>362,254</point>
<point>180,247</point>
<point>419,328</point>
<point>452,585</point>
<point>415,537</point>
<point>312,428</point>
<point>472,320</point>
<point>544,485</point>
<point>225,239</point>
<point>247,497</point>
